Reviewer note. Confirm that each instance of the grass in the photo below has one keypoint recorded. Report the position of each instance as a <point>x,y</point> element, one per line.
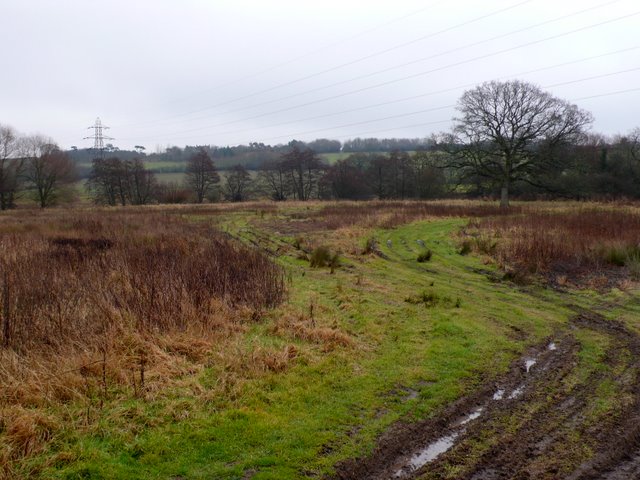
<point>568,241</point>
<point>288,393</point>
<point>170,177</point>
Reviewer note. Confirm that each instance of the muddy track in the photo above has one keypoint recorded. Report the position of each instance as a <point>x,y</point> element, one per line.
<point>533,422</point>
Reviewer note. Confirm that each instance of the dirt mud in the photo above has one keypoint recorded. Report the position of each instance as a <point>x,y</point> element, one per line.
<point>534,422</point>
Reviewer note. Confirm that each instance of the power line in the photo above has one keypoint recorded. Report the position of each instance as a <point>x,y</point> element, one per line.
<point>415,75</point>
<point>310,53</point>
<point>433,109</point>
<point>422,95</point>
<point>583,79</point>
<point>357,60</point>
<point>422,124</point>
<point>401,65</point>
<point>594,77</point>
<point>355,135</point>
<point>617,92</point>
<point>436,122</point>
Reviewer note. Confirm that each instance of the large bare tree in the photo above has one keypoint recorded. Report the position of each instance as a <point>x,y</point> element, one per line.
<point>304,169</point>
<point>11,166</point>
<point>237,184</point>
<point>48,170</point>
<point>201,174</point>
<point>512,131</point>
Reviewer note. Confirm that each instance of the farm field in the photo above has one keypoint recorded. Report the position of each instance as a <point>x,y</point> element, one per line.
<point>337,340</point>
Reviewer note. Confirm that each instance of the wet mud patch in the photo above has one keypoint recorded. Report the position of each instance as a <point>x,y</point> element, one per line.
<point>536,421</point>
<point>407,449</point>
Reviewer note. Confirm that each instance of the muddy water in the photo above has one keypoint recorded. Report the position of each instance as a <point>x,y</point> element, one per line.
<point>516,393</point>
<point>446,442</point>
<point>499,395</point>
<point>529,363</point>
<point>436,448</point>
<point>407,456</point>
<point>428,454</point>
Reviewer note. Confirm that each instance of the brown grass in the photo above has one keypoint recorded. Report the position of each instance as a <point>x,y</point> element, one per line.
<point>303,327</point>
<point>110,273</point>
<point>580,241</point>
<point>389,214</point>
<point>100,305</point>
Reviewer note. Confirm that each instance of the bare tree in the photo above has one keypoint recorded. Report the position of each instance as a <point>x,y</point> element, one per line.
<point>11,166</point>
<point>141,183</point>
<point>114,181</point>
<point>201,174</point>
<point>274,180</point>
<point>106,183</point>
<point>347,179</point>
<point>632,143</point>
<point>511,131</point>
<point>237,184</point>
<point>304,169</point>
<point>49,170</point>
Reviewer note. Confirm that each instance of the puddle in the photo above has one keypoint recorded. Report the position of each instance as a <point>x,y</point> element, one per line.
<point>428,454</point>
<point>529,363</point>
<point>420,242</point>
<point>472,416</point>
<point>444,443</point>
<point>434,449</point>
<point>517,392</point>
<point>552,346</point>
<point>411,395</point>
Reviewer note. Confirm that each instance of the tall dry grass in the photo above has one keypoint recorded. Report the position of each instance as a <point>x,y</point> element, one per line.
<point>99,274</point>
<point>99,304</point>
<point>573,241</point>
<point>391,213</point>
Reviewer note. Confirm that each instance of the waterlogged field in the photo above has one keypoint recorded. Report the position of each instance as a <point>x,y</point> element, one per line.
<point>321,340</point>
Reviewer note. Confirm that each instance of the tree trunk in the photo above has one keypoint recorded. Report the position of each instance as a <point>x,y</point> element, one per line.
<point>504,196</point>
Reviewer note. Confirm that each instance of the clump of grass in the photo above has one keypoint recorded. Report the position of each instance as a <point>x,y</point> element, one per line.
<point>323,257</point>
<point>466,246</point>
<point>303,327</point>
<point>154,273</point>
<point>428,298</point>
<point>615,255</point>
<point>369,246</point>
<point>424,256</point>
<point>298,242</point>
<point>633,263</point>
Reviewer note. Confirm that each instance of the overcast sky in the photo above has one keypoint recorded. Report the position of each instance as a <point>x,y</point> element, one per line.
<point>167,72</point>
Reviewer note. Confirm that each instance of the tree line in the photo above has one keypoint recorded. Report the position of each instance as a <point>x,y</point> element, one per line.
<point>33,166</point>
<point>509,138</point>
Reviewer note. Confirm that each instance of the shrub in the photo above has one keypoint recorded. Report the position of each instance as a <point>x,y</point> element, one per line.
<point>465,247</point>
<point>369,246</point>
<point>615,255</point>
<point>424,256</point>
<point>322,257</point>
<point>633,263</point>
<point>428,298</point>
